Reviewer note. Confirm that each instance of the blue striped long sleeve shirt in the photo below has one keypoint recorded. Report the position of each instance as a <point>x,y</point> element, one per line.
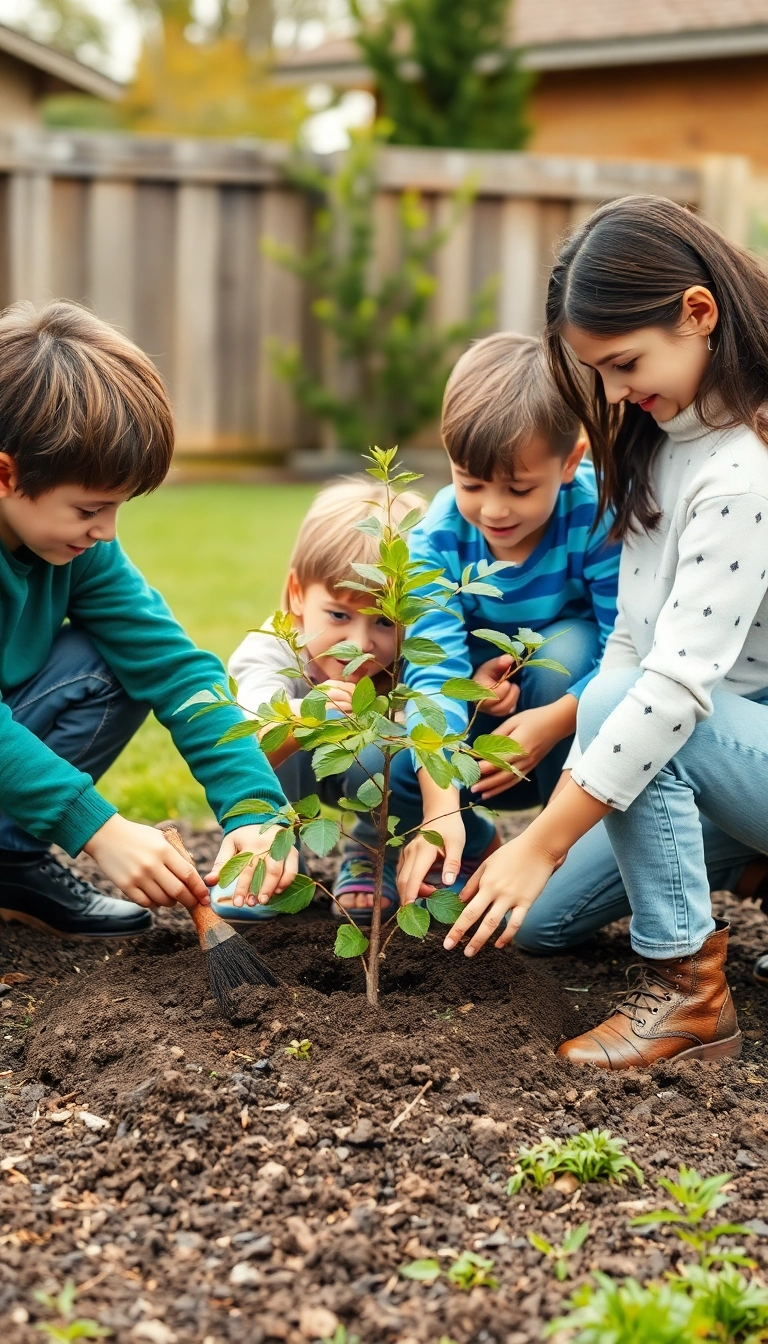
<point>572,572</point>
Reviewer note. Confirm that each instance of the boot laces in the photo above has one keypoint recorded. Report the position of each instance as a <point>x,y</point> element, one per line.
<point>650,989</point>
<point>76,887</point>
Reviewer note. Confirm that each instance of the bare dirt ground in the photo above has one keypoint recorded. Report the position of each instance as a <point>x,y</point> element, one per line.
<point>237,1193</point>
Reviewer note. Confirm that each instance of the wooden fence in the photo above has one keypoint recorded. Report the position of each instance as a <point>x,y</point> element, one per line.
<point>164,238</point>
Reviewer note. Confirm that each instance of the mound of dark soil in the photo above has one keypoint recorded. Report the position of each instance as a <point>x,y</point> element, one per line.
<point>238,1193</point>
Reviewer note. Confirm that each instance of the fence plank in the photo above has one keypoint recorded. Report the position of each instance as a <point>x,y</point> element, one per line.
<point>155,299</point>
<point>239,276</point>
<point>29,230</point>
<point>453,264</point>
<point>519,266</point>
<point>284,220</point>
<point>196,312</point>
<point>68,239</point>
<point>111,257</point>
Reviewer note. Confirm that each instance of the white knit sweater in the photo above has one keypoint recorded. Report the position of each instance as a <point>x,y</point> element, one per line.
<point>693,604</point>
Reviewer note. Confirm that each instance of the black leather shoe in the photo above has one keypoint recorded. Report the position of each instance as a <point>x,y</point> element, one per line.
<point>50,897</point>
<point>761,969</point>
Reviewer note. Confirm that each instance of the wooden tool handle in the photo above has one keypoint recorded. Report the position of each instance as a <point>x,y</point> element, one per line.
<point>205,919</point>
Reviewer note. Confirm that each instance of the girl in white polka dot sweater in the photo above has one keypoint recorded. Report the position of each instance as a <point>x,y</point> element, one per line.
<point>657,330</point>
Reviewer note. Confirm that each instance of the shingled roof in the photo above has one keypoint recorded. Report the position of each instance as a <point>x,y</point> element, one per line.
<point>564,34</point>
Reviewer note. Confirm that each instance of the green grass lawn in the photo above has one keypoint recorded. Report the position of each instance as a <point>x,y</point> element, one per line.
<point>218,553</point>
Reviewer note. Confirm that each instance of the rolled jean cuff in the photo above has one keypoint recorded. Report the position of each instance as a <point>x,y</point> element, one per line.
<point>668,951</point>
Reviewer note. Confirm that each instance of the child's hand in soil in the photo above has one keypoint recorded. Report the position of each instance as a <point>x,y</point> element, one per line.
<point>140,861</point>
<point>251,839</point>
<point>537,731</point>
<point>507,692</point>
<point>508,882</point>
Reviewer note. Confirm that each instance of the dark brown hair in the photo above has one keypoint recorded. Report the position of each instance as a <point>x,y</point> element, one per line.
<point>80,404</point>
<point>499,396</point>
<point>628,267</point>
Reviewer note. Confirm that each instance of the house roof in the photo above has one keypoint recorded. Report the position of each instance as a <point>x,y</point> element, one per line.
<point>57,66</point>
<point>567,34</point>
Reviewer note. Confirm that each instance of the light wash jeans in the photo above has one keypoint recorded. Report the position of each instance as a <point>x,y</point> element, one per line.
<point>79,709</point>
<point>577,647</point>
<point>694,827</point>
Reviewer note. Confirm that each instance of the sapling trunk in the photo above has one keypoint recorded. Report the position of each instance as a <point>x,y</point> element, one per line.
<point>374,944</point>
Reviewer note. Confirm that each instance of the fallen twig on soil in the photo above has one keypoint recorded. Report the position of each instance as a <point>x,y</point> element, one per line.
<point>398,1120</point>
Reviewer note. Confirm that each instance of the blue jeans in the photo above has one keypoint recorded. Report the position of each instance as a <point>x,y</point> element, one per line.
<point>694,826</point>
<point>577,647</point>
<point>76,705</point>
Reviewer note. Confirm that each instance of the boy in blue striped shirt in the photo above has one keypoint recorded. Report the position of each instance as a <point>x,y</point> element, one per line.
<point>521,494</point>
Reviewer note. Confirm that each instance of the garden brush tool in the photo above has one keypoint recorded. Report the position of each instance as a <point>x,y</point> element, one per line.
<point>229,960</point>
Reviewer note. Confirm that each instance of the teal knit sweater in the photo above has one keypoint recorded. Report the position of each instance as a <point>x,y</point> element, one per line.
<point>102,593</point>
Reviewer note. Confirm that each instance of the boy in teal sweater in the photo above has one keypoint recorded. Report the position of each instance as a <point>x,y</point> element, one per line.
<point>87,648</point>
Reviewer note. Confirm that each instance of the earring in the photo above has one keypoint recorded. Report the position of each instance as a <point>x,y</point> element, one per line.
<point>710,346</point>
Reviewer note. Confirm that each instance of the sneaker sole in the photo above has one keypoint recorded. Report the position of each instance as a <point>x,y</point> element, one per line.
<point>16,917</point>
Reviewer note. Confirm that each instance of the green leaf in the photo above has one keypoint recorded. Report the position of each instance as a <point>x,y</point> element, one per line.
<point>413,920</point>
<point>363,695</point>
<point>371,573</point>
<point>315,705</point>
<point>482,589</point>
<point>445,906</point>
<point>308,807</point>
<point>246,728</point>
<point>422,652</point>
<point>355,663</point>
<point>502,641</point>
<point>259,873</point>
<point>353,805</point>
<point>495,746</point>
<point>369,792</point>
<point>467,768</point>
<point>549,663</point>
<point>247,806</point>
<point>530,638</point>
<point>436,767</point>
<point>275,737</point>
<point>282,844</point>
<point>331,760</point>
<point>461,688</point>
<point>426,738</point>
<point>539,1244</point>
<point>199,698</point>
<point>296,897</point>
<point>410,520</point>
<point>434,838</point>
<point>344,650</point>
<point>370,526</point>
<point>350,942</point>
<point>233,868</point>
<point>424,1271</point>
<point>321,835</point>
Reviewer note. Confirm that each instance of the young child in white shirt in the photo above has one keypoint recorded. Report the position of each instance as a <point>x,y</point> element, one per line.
<point>328,544</point>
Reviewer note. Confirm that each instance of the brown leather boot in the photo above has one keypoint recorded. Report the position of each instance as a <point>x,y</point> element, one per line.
<point>680,1009</point>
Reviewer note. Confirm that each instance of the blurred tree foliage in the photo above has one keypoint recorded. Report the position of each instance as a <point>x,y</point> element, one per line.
<point>444,72</point>
<point>391,360</point>
<point>195,79</point>
<point>68,25</point>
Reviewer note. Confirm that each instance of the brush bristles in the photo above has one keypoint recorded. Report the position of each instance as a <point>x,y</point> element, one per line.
<point>232,964</point>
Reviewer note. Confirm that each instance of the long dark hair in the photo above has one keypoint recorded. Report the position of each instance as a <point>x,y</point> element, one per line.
<point>628,267</point>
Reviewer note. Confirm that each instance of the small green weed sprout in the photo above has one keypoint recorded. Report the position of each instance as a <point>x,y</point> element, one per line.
<point>471,1271</point>
<point>340,1336</point>
<point>698,1197</point>
<point>702,1304</point>
<point>594,1155</point>
<point>572,1242</point>
<point>66,1328</point>
<point>467,1271</point>
<point>299,1049</point>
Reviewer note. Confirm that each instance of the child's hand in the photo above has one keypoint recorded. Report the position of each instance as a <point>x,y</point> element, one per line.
<point>508,881</point>
<point>537,731</point>
<point>250,839</point>
<point>142,863</point>
<point>339,694</point>
<point>507,692</point>
<point>418,857</point>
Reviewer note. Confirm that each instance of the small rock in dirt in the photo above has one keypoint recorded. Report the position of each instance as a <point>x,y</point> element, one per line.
<point>495,1239</point>
<point>363,1133</point>
<point>141,1091</point>
<point>758,1226</point>
<point>302,1234</point>
<point>189,1241</point>
<point>244,1275</point>
<point>258,1249</point>
<point>4,989</point>
<point>301,1132</point>
<point>91,1121</point>
<point>261,1066</point>
<point>568,1184</point>
<point>745,1159</point>
<point>471,1100</point>
<point>197,1122</point>
<point>342,1153</point>
<point>59,1117</point>
<point>273,1171</point>
<point>177,1052</point>
<point>317,1323</point>
<point>660,1157</point>
<point>154,1331</point>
